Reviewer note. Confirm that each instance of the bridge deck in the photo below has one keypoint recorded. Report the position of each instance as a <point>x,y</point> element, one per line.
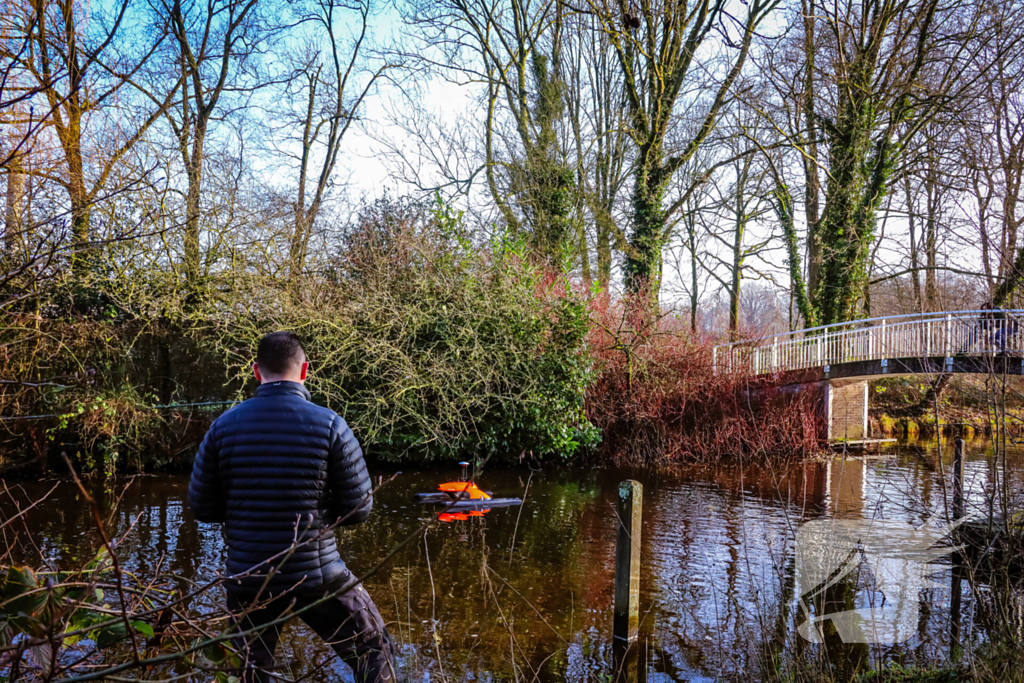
<point>952,341</point>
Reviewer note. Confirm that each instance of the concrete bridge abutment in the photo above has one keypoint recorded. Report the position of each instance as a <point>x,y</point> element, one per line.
<point>845,407</point>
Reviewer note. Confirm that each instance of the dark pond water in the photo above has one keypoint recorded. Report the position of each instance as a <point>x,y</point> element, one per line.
<point>526,593</point>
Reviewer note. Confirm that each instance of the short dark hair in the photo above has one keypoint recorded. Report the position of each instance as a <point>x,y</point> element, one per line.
<point>279,352</point>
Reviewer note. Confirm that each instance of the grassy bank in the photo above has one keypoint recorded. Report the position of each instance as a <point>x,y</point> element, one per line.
<point>971,406</point>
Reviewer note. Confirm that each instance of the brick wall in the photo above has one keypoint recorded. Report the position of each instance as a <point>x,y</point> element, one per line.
<point>847,410</point>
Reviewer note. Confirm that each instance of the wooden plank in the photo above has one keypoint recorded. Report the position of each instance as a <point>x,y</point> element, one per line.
<point>863,442</point>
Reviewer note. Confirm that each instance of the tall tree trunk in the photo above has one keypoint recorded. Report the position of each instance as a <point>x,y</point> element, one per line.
<point>643,258</point>
<point>302,218</point>
<point>983,199</point>
<point>299,242</point>
<point>603,205</point>
<point>511,222</point>
<point>584,254</point>
<point>784,212</point>
<point>69,133</point>
<point>931,288</point>
<point>14,208</point>
<point>1006,262</point>
<point>194,172</point>
<point>737,259</point>
<point>856,187</point>
<point>604,250</point>
<point>67,119</point>
<point>79,196</point>
<point>915,264</point>
<point>691,238</point>
<point>1013,175</point>
<point>812,192</point>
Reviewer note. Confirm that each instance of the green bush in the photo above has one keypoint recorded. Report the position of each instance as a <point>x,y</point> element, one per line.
<point>431,346</point>
<point>887,424</point>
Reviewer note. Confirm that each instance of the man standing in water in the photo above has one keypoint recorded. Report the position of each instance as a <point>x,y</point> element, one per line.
<point>278,472</point>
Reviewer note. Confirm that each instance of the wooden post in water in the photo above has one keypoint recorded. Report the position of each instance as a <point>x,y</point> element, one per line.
<point>958,479</point>
<point>956,587</point>
<point>627,561</point>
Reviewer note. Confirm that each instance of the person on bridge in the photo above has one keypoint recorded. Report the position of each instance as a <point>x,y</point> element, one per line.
<point>281,473</point>
<point>984,331</point>
<point>997,327</point>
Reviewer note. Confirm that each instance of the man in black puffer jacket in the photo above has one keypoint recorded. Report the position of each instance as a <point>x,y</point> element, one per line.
<point>278,472</point>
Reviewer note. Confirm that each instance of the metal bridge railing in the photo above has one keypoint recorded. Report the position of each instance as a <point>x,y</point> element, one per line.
<point>950,333</point>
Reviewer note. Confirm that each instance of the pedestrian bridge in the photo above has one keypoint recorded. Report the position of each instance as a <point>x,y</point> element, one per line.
<point>842,357</point>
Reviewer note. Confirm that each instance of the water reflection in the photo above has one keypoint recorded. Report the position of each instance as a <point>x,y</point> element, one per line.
<point>527,591</point>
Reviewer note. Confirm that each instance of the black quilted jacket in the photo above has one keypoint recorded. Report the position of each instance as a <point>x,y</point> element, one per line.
<point>277,469</point>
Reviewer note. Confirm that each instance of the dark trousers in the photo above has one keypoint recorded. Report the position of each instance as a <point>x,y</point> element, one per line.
<point>349,623</point>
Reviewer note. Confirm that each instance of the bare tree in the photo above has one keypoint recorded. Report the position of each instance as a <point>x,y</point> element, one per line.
<point>871,77</point>
<point>992,151</point>
<point>514,49</point>
<point>692,251</point>
<point>659,49</point>
<point>75,72</point>
<point>739,200</point>
<point>930,179</point>
<point>216,45</point>
<point>598,116</point>
<point>327,88</point>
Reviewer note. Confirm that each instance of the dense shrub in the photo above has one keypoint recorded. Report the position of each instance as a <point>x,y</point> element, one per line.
<point>657,398</point>
<point>87,385</point>
<point>429,345</point>
<point>432,347</point>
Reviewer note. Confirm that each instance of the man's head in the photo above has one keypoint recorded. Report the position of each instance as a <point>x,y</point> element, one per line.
<point>280,357</point>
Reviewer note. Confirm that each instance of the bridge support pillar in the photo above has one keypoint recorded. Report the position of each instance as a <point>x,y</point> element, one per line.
<point>846,410</point>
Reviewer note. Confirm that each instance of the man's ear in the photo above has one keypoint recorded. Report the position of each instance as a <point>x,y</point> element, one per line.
<point>303,371</point>
<point>256,371</point>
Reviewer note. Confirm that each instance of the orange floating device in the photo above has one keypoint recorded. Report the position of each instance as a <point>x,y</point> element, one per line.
<point>459,496</point>
<point>464,487</point>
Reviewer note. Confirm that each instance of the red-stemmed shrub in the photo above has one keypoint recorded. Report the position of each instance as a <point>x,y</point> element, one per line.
<point>658,397</point>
